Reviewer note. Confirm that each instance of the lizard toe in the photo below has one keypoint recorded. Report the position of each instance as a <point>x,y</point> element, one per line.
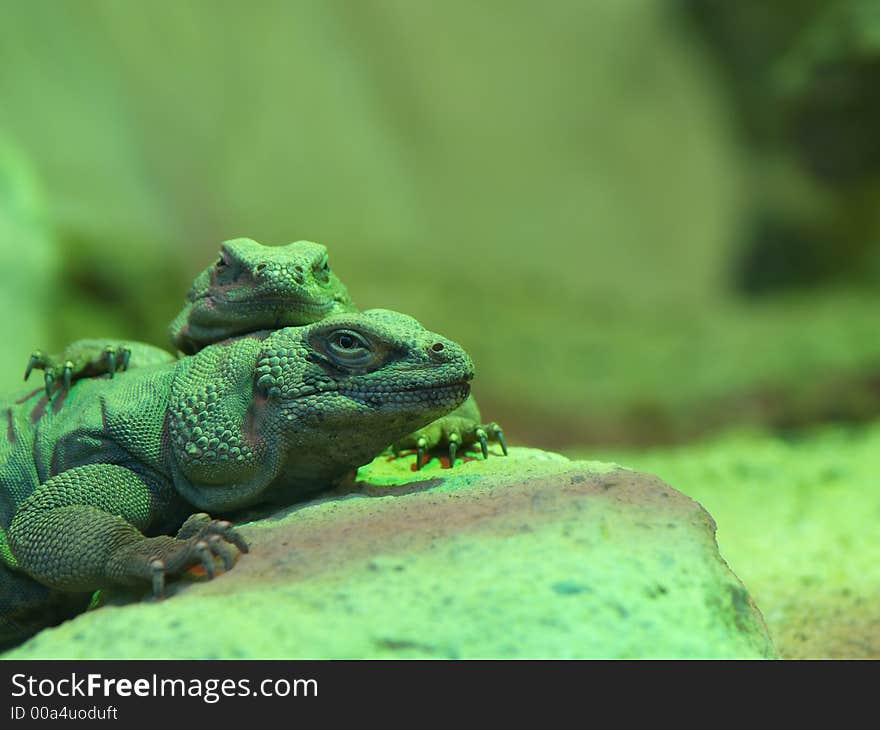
<point>37,360</point>
<point>454,441</point>
<point>157,575</point>
<point>491,432</point>
<point>421,449</point>
<point>220,549</point>
<point>67,374</point>
<point>225,531</point>
<point>111,360</point>
<point>201,526</point>
<point>206,557</point>
<point>482,436</point>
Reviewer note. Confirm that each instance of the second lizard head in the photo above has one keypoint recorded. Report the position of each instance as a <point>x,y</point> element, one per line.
<point>252,287</point>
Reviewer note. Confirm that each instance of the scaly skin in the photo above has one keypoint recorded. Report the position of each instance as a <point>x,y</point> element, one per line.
<point>249,288</point>
<point>252,287</point>
<point>96,484</point>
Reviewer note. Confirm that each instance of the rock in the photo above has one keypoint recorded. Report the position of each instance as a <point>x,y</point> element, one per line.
<point>531,555</point>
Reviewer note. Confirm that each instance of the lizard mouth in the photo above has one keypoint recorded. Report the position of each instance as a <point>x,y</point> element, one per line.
<point>440,392</point>
<point>447,390</point>
<point>316,305</point>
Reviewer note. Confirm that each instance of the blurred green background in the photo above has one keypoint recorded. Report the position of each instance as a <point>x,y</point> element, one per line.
<point>646,220</point>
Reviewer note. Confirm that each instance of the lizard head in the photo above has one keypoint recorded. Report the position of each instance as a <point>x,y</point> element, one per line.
<point>251,287</point>
<point>293,411</point>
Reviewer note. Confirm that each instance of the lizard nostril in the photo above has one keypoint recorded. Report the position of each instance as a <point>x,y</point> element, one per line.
<point>261,268</point>
<point>437,347</point>
<point>298,268</point>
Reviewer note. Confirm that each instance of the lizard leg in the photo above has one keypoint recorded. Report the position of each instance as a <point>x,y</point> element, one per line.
<point>91,358</point>
<point>461,429</point>
<point>84,529</point>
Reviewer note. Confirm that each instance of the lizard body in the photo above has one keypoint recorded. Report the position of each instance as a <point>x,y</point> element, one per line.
<point>252,287</point>
<point>96,484</point>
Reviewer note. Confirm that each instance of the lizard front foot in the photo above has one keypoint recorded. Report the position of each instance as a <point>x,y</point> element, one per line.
<point>198,542</point>
<point>82,359</point>
<point>461,428</point>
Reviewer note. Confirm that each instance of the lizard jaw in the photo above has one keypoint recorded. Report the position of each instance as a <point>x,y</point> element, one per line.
<point>453,391</point>
<point>319,307</point>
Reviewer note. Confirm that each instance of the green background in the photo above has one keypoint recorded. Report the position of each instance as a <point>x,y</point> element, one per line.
<point>567,189</point>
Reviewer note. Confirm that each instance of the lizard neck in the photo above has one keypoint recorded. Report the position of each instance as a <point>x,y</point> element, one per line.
<point>220,456</point>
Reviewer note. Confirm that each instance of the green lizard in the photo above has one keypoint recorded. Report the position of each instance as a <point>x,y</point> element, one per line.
<point>252,287</point>
<point>96,484</point>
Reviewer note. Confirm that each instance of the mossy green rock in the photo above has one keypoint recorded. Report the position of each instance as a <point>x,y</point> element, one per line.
<point>797,519</point>
<point>532,555</point>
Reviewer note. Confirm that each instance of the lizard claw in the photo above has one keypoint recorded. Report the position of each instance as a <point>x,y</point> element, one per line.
<point>207,558</point>
<point>484,445</point>
<point>81,359</point>
<point>495,433</point>
<point>68,372</point>
<point>200,526</point>
<point>499,437</point>
<point>117,358</point>
<point>36,360</point>
<point>421,448</point>
<point>225,530</point>
<point>111,360</point>
<point>456,434</point>
<point>157,574</point>
<point>215,542</point>
<point>454,440</point>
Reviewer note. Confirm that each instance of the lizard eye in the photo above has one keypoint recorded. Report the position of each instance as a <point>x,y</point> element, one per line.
<point>349,349</point>
<point>345,340</point>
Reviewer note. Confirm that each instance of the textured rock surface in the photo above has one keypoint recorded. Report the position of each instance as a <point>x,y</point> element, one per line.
<point>529,556</point>
<point>797,519</point>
